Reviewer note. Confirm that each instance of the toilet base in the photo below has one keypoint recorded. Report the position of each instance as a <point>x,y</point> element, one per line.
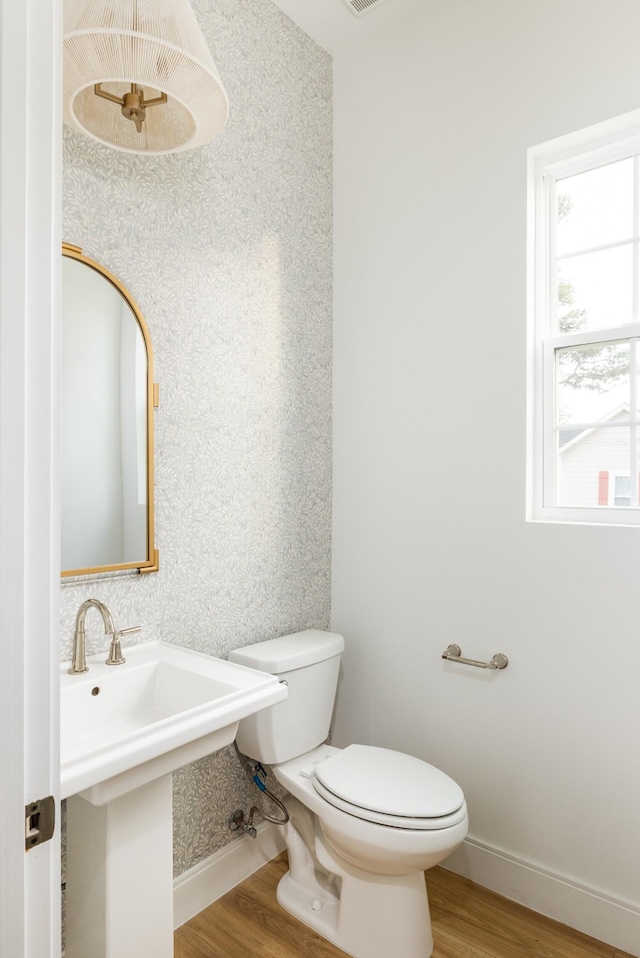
<point>366,915</point>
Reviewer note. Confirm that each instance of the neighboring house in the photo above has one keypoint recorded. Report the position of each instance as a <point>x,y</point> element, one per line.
<point>594,463</point>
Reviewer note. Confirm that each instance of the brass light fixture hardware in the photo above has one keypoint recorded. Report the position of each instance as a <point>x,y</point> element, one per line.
<point>115,51</point>
<point>133,104</point>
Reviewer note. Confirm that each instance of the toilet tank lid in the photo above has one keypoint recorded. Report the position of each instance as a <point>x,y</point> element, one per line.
<point>289,652</point>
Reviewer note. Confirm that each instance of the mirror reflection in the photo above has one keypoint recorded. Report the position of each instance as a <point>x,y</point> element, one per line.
<point>106,424</point>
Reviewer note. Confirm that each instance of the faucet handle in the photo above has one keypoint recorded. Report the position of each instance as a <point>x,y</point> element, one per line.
<point>115,656</point>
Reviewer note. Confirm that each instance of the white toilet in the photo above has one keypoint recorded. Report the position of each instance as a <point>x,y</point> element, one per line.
<point>365,822</point>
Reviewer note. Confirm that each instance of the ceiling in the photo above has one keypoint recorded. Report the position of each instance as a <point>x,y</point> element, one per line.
<point>334,27</point>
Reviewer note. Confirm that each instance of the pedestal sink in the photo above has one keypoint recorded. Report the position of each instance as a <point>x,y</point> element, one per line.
<point>124,730</point>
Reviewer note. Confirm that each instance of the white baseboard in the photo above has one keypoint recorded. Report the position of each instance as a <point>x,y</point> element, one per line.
<point>203,884</point>
<point>586,909</point>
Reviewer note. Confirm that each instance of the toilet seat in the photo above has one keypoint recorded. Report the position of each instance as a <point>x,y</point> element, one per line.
<point>389,788</point>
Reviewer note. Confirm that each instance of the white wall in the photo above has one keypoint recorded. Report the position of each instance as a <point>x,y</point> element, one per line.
<point>432,123</point>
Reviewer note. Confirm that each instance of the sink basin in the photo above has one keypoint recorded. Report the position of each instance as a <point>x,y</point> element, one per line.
<point>124,729</point>
<point>126,725</point>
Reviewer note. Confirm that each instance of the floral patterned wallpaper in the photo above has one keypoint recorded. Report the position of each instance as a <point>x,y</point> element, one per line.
<point>228,251</point>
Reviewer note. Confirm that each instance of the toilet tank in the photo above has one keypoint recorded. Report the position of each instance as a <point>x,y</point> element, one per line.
<point>309,663</point>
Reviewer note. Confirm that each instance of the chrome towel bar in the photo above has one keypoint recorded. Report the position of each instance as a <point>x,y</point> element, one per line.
<point>453,653</point>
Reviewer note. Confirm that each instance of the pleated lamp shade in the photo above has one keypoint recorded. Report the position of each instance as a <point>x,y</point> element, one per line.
<point>155,44</point>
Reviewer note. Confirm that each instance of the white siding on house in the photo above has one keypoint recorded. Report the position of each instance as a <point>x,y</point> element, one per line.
<point>583,459</point>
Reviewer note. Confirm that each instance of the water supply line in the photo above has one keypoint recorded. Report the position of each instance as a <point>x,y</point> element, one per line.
<point>237,821</point>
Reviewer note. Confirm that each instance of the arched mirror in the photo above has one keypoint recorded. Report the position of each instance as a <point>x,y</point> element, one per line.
<point>107,401</point>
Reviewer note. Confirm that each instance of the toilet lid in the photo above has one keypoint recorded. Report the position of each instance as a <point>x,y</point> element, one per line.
<point>389,784</point>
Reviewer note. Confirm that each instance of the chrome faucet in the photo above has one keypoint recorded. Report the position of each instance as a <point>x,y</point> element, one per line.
<point>115,656</point>
<point>79,659</point>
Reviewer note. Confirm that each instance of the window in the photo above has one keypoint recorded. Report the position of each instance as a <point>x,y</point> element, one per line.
<point>584,384</point>
<point>622,491</point>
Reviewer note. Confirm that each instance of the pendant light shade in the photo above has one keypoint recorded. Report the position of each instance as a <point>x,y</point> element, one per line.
<point>138,75</point>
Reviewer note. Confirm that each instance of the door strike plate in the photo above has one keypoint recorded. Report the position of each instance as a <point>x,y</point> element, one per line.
<point>39,822</point>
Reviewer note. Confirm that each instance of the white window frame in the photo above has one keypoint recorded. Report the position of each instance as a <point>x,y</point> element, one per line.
<point>612,487</point>
<point>579,152</point>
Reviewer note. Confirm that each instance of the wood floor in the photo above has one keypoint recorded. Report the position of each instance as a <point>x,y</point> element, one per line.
<point>468,922</point>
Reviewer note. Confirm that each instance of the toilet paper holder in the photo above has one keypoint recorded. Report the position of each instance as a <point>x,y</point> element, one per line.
<point>453,653</point>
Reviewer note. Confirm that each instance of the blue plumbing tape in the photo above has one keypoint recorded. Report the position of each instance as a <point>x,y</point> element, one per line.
<point>260,770</point>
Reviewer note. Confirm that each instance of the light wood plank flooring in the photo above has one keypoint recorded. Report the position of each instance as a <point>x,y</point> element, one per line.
<point>468,922</point>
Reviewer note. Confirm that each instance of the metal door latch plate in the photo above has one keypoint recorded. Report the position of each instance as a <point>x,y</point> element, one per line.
<point>39,822</point>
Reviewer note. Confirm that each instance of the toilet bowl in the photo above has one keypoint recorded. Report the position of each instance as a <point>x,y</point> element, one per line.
<point>365,822</point>
<point>376,841</point>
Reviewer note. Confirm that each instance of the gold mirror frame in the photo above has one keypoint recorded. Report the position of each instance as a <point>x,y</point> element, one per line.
<point>152,561</point>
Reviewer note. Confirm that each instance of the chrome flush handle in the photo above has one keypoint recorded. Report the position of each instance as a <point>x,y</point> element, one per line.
<point>115,656</point>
